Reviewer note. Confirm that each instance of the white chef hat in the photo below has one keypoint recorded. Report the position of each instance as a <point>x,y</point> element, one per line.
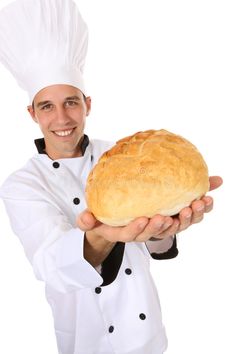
<point>43,43</point>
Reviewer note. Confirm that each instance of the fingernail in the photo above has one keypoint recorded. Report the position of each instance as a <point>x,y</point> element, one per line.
<point>166,225</point>
<point>142,225</point>
<point>159,225</point>
<point>200,209</point>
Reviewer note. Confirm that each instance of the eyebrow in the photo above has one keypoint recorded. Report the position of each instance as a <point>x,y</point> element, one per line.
<point>40,104</point>
<point>70,98</point>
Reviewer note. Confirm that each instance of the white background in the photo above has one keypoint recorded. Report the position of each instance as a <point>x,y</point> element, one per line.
<point>151,64</point>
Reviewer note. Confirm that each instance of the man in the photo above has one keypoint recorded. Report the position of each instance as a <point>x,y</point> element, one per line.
<point>97,277</point>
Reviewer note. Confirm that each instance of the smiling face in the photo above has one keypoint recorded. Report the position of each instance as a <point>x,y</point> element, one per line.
<point>60,111</point>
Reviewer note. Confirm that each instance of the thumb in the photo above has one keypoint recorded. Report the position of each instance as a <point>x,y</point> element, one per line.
<point>215,182</point>
<point>86,221</point>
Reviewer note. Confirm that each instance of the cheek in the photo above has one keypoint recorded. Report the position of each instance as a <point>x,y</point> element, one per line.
<point>43,124</point>
<point>80,117</point>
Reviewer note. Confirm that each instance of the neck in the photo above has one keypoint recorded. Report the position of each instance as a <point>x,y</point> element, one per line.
<point>63,155</point>
<point>42,149</point>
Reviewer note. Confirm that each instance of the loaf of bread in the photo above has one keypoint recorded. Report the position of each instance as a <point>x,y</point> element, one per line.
<point>148,173</point>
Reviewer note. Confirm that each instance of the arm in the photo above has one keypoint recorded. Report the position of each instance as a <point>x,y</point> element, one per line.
<point>52,242</point>
<point>60,254</point>
<point>151,230</point>
<point>53,246</point>
<point>96,248</point>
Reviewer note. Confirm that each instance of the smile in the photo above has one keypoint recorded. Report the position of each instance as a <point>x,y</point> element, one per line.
<point>63,132</point>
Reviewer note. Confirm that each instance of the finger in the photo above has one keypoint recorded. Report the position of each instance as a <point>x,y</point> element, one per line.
<point>208,203</point>
<point>156,225</point>
<point>198,209</point>
<point>215,182</point>
<point>126,233</point>
<point>171,230</point>
<point>185,218</point>
<point>185,213</point>
<point>134,229</point>
<point>86,221</point>
<point>197,219</point>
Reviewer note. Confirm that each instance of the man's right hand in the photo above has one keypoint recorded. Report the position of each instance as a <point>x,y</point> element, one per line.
<point>100,238</point>
<point>89,224</point>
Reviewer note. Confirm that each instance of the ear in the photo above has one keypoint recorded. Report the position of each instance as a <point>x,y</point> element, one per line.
<point>31,111</point>
<point>88,105</point>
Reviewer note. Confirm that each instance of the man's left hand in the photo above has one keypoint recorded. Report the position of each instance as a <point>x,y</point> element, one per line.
<point>162,226</point>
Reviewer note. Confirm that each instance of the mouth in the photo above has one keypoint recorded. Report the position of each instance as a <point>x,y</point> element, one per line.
<point>63,133</point>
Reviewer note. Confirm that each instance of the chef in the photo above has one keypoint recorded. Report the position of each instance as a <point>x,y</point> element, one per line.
<point>97,277</point>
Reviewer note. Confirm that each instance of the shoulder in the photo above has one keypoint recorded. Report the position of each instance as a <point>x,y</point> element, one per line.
<point>102,145</point>
<point>26,178</point>
<point>98,147</point>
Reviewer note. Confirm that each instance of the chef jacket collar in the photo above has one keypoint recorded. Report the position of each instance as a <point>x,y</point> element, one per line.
<point>40,145</point>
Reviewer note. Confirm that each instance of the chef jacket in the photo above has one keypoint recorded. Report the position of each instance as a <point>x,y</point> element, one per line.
<point>110,309</point>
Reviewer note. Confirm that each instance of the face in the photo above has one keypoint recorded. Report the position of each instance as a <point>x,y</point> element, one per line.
<point>60,111</point>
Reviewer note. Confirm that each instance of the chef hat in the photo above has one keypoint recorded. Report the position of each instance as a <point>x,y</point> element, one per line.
<point>43,43</point>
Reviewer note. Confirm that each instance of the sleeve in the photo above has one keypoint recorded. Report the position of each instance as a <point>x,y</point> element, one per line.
<point>53,246</point>
<point>163,249</point>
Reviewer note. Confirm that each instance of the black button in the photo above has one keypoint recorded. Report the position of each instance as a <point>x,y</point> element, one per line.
<point>56,164</point>
<point>91,158</point>
<point>111,329</point>
<point>142,316</point>
<point>98,290</point>
<point>76,201</point>
<point>128,271</point>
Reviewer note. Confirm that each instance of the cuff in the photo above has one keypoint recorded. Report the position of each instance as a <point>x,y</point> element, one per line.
<point>171,253</point>
<point>62,264</point>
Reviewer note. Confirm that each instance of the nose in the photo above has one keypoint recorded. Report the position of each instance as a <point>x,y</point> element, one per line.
<point>61,116</point>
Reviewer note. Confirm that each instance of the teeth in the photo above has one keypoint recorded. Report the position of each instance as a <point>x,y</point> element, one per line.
<point>63,133</point>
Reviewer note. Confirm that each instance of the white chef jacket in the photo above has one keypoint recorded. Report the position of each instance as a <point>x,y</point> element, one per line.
<point>112,310</point>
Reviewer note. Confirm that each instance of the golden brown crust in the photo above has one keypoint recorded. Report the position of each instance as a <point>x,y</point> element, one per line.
<point>148,173</point>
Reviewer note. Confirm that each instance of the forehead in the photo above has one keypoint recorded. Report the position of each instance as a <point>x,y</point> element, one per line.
<point>57,93</point>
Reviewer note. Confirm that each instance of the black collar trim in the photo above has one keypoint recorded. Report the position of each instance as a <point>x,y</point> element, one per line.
<point>40,145</point>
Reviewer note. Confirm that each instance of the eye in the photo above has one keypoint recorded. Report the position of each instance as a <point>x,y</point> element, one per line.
<point>47,107</point>
<point>71,103</point>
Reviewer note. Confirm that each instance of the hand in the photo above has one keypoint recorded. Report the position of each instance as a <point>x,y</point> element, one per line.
<point>192,214</point>
<point>158,227</point>
<point>94,228</point>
